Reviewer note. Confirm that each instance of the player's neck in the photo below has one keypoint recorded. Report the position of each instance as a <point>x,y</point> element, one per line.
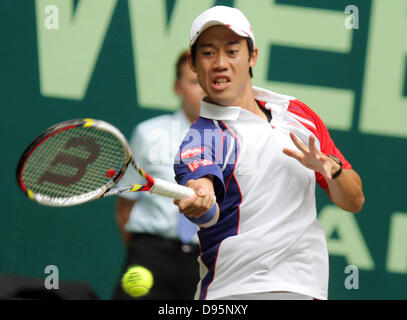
<point>249,103</point>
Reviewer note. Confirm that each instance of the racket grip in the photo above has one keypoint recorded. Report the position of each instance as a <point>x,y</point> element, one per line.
<point>171,190</point>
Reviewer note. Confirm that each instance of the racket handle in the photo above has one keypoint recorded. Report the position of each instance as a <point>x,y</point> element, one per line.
<point>171,190</point>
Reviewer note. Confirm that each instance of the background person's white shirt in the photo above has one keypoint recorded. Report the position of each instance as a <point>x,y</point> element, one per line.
<point>154,144</point>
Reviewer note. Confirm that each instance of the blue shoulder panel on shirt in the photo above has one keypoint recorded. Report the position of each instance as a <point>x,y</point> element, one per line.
<point>200,155</point>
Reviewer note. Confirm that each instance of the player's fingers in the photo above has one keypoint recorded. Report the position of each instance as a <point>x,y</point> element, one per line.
<point>202,201</point>
<point>195,211</point>
<point>293,154</point>
<point>203,204</point>
<point>208,202</point>
<point>186,204</point>
<point>311,144</point>
<point>298,143</point>
<point>205,195</point>
<point>193,184</point>
<point>192,206</point>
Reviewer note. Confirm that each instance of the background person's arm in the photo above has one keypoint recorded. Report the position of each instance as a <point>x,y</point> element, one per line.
<point>122,214</point>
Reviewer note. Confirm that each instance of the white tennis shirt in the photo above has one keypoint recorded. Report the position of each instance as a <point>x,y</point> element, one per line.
<point>267,237</point>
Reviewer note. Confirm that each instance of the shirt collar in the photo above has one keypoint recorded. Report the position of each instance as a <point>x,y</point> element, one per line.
<point>274,101</point>
<point>216,112</point>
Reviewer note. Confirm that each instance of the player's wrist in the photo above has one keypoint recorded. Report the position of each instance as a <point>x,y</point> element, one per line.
<point>336,169</point>
<point>213,220</point>
<point>208,219</point>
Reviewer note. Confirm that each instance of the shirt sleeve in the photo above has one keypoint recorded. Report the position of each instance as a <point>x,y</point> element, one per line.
<point>327,145</point>
<point>198,156</point>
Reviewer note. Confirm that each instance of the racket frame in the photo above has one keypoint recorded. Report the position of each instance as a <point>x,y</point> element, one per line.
<point>92,195</point>
<point>157,186</point>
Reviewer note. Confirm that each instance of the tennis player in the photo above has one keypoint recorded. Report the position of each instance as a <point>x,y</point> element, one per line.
<point>261,154</point>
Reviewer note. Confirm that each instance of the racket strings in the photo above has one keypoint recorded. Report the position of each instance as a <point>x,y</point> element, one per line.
<point>73,161</point>
<point>68,169</point>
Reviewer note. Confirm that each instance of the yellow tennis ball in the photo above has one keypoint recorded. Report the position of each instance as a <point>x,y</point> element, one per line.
<point>137,281</point>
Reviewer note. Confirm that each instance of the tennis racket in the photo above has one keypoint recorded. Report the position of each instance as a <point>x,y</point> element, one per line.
<point>77,161</point>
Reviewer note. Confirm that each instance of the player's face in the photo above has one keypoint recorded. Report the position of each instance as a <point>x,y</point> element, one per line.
<point>222,63</point>
<point>188,89</point>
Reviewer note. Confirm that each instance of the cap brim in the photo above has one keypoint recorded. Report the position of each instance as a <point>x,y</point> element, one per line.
<point>218,23</point>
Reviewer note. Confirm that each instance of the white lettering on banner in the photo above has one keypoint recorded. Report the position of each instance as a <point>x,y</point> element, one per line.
<point>156,47</point>
<point>69,44</point>
<point>397,251</point>
<point>67,56</point>
<point>351,243</point>
<point>383,107</point>
<point>315,29</point>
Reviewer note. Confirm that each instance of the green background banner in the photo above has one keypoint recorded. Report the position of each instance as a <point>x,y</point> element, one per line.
<point>114,60</point>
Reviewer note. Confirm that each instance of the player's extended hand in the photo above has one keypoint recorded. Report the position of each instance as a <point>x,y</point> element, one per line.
<point>310,157</point>
<point>201,202</point>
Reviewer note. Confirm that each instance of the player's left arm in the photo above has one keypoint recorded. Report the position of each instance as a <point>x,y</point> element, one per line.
<point>345,190</point>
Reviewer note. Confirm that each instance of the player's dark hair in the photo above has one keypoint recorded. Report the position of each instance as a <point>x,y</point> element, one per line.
<point>182,59</point>
<point>249,46</point>
<point>251,49</point>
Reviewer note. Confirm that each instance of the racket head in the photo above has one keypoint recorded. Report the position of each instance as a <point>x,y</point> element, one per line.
<point>73,162</point>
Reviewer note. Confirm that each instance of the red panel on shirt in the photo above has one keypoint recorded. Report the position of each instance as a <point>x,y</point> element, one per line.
<point>327,145</point>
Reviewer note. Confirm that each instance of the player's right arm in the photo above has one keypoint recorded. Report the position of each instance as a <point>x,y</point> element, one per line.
<point>198,166</point>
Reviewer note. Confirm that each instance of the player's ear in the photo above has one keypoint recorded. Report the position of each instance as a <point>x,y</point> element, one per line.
<point>190,62</point>
<point>253,59</point>
<point>177,87</point>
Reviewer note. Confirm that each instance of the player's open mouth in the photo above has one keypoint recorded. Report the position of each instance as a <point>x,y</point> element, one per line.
<point>220,83</point>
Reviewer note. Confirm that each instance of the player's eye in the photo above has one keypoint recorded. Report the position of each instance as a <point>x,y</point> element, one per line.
<point>207,53</point>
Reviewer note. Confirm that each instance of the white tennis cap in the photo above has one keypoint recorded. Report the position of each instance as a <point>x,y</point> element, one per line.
<point>230,17</point>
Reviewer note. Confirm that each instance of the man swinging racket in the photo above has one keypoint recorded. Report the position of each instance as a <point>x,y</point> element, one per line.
<point>260,155</point>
